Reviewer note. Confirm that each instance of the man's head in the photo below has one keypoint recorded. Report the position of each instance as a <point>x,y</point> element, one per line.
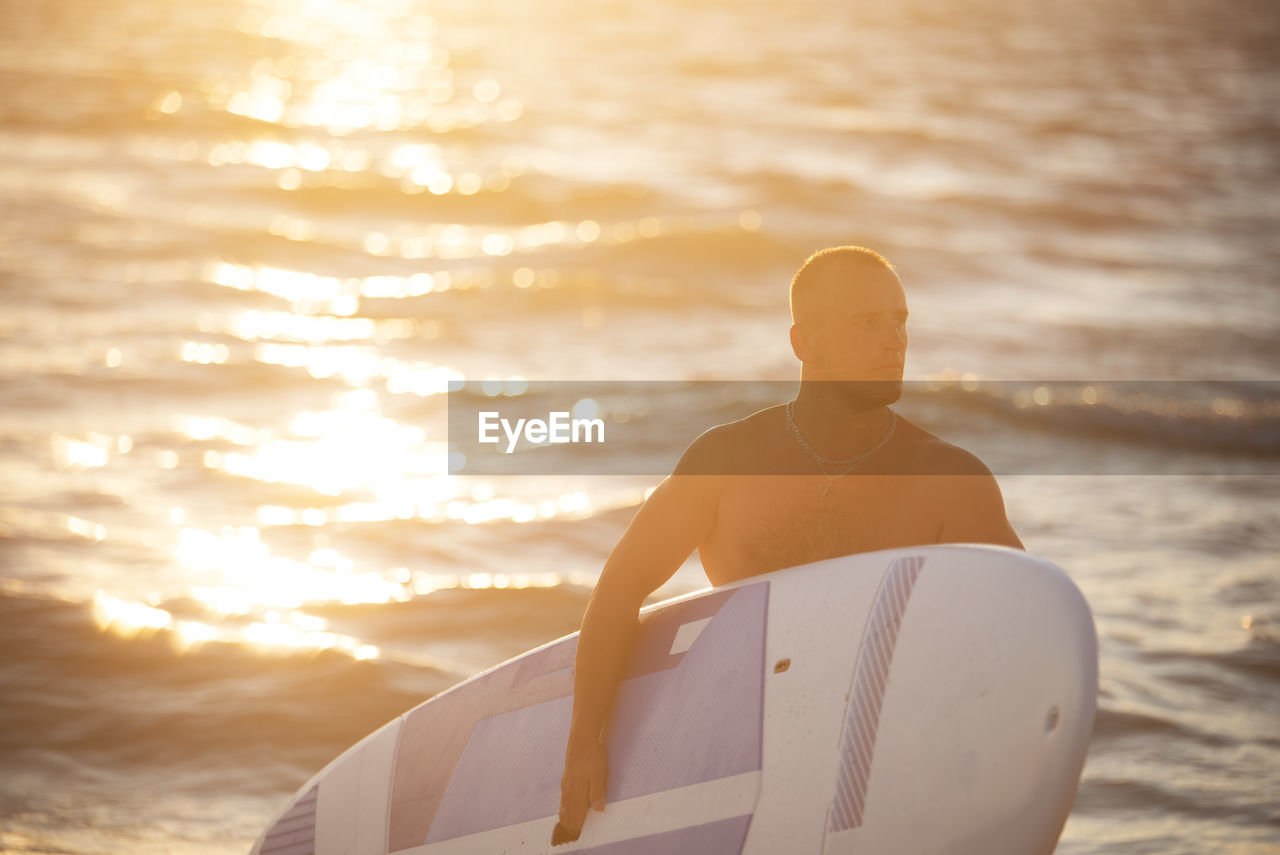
<point>849,317</point>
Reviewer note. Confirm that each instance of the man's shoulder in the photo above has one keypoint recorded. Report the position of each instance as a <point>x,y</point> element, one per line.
<point>923,453</point>
<point>971,508</point>
<point>756,427</point>
<point>725,449</point>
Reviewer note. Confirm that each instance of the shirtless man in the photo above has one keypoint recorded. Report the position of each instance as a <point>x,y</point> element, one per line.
<point>833,472</point>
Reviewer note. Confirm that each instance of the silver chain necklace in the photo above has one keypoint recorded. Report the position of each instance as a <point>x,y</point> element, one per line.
<point>849,464</point>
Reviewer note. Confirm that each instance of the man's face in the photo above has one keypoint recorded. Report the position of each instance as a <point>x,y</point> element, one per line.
<point>857,331</point>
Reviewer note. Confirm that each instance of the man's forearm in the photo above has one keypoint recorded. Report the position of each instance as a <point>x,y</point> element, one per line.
<point>604,644</point>
<point>669,525</point>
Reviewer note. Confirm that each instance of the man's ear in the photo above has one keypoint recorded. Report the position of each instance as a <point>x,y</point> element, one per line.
<point>799,344</point>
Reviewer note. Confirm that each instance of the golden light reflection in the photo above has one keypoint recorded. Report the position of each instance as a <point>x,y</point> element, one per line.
<point>171,103</point>
<point>290,285</point>
<point>312,292</point>
<point>1117,398</point>
<point>256,325</point>
<point>504,509</point>
<point>248,577</point>
<point>205,353</point>
<point>274,637</point>
<point>292,228</point>
<point>447,241</point>
<point>359,366</point>
<point>128,618</point>
<point>354,364</point>
<point>426,583</point>
<point>91,452</point>
<point>277,633</point>
<point>287,157</point>
<point>375,454</point>
<point>349,448</point>
<point>204,428</point>
<point>431,500</point>
<point>355,65</point>
<point>191,634</point>
<point>86,529</point>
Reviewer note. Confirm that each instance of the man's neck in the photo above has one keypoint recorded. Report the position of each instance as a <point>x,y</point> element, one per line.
<point>834,422</point>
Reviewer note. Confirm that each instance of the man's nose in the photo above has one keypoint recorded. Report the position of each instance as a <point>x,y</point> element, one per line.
<point>893,337</point>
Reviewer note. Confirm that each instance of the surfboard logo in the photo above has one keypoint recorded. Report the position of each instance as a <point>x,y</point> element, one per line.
<point>870,678</point>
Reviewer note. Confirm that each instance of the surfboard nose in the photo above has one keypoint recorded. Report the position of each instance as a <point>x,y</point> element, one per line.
<point>968,711</point>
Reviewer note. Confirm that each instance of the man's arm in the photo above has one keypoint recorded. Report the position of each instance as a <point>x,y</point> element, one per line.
<point>973,511</point>
<point>675,518</point>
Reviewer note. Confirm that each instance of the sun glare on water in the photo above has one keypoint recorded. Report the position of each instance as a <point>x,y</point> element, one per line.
<point>347,67</point>
<point>378,469</point>
<point>340,93</point>
<point>278,632</point>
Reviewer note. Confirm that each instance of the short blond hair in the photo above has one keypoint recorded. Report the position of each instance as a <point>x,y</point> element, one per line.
<point>809,278</point>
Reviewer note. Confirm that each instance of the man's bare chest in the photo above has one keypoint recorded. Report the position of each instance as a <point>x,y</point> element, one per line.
<point>767,523</point>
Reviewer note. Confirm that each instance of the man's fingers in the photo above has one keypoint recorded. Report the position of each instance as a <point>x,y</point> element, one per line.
<point>582,787</point>
<point>572,816</point>
<point>598,790</point>
<point>572,813</point>
<point>567,830</point>
<point>560,834</point>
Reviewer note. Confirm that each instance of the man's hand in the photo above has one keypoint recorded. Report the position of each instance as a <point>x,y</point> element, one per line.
<point>586,775</point>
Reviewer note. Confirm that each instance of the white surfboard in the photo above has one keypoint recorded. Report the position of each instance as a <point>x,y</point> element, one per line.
<point>931,699</point>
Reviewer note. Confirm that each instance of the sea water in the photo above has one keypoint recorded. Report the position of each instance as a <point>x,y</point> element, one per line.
<point>245,246</point>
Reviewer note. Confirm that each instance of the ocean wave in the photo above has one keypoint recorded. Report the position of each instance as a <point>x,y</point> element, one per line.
<point>1135,797</point>
<point>140,700</point>
<point>1258,658</point>
<point>1238,418</point>
<point>1111,724</point>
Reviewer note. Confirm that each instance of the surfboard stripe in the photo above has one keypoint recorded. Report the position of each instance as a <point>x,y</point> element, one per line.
<point>863,738</point>
<point>862,728</point>
<point>870,679</point>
